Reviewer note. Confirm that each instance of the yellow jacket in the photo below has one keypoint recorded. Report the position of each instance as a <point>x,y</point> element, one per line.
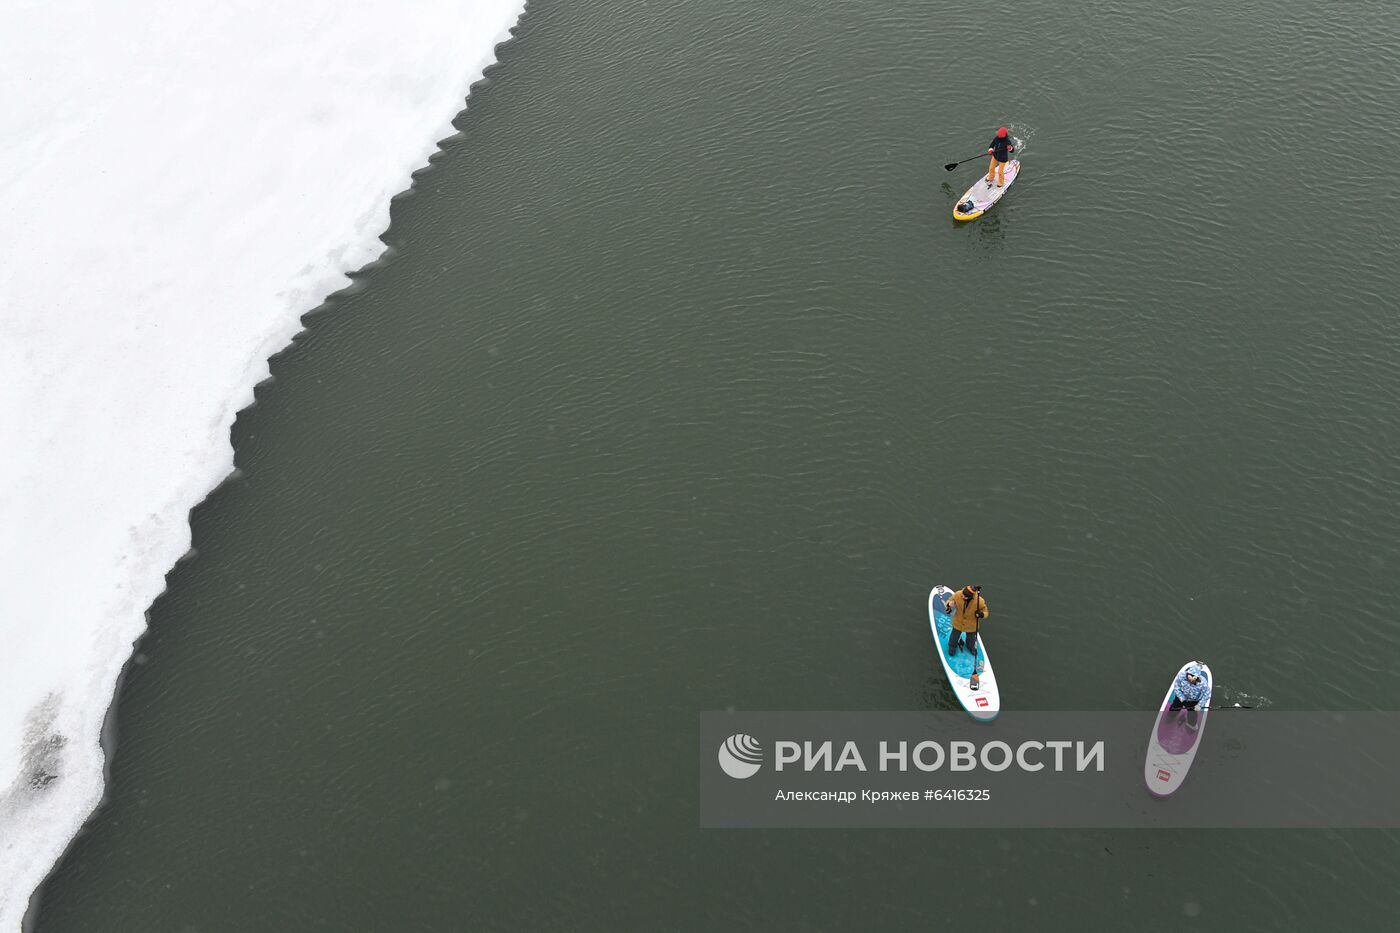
<point>964,611</point>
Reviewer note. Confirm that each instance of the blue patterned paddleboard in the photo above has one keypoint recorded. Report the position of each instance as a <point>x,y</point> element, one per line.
<point>983,703</point>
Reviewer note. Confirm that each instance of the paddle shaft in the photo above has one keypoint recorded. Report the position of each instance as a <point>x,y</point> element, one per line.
<point>948,167</point>
<point>976,678</point>
<point>976,640</point>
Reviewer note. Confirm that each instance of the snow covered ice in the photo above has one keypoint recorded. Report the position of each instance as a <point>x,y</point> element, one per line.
<point>179,182</point>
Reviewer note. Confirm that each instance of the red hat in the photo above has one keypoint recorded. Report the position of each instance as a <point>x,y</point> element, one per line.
<point>1002,131</point>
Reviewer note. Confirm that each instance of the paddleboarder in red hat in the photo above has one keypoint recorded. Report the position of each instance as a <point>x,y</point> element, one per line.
<point>1000,151</point>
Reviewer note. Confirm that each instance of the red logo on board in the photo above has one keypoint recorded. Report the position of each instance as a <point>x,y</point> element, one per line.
<point>982,701</point>
<point>1163,775</point>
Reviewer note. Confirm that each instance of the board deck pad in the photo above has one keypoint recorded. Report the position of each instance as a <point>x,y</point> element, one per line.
<point>985,701</point>
<point>1173,745</point>
<point>983,195</point>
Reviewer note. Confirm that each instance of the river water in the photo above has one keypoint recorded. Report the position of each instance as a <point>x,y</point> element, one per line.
<point>679,390</point>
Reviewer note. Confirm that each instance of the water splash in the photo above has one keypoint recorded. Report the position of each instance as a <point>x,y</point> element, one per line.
<point>1021,133</point>
<point>1224,697</point>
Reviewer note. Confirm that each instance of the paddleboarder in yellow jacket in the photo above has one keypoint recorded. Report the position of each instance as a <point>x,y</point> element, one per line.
<point>1000,150</point>
<point>968,609</point>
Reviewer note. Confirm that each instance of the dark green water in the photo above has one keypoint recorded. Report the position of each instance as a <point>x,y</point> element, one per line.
<point>680,390</point>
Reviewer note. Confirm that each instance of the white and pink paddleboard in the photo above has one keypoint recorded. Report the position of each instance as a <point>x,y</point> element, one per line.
<point>1173,745</point>
<point>981,196</point>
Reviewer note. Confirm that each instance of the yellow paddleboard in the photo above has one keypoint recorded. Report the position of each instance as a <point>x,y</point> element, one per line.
<point>980,197</point>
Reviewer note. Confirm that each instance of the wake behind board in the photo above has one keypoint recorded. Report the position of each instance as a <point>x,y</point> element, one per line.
<point>1173,745</point>
<point>981,196</point>
<point>983,703</point>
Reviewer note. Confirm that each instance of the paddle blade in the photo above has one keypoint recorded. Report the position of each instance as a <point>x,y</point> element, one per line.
<point>950,166</point>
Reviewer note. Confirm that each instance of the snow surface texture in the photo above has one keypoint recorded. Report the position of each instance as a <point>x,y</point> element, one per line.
<point>179,182</point>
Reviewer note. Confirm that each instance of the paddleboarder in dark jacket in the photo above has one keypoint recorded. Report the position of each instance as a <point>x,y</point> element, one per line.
<point>1000,151</point>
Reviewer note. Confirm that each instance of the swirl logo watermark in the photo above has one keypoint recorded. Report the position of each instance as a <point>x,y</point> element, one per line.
<point>740,756</point>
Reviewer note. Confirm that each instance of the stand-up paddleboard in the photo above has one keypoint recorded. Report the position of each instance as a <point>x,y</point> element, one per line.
<point>1173,745</point>
<point>981,196</point>
<point>984,702</point>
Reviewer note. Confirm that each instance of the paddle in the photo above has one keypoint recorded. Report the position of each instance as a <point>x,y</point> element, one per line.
<point>952,165</point>
<point>1221,709</point>
<point>975,681</point>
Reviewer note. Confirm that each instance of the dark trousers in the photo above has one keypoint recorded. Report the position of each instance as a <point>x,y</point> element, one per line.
<point>1178,704</point>
<point>970,642</point>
